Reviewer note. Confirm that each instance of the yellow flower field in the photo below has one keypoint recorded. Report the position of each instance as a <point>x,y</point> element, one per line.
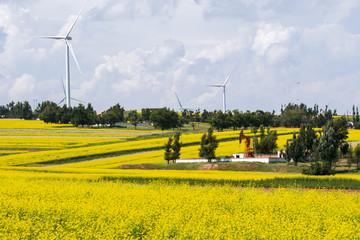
<point>51,142</point>
<point>75,209</point>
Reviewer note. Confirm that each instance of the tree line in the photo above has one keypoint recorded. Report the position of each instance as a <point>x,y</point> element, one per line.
<point>291,115</point>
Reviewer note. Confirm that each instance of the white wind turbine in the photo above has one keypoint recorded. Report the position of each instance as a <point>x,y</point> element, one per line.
<point>224,92</point>
<point>68,48</point>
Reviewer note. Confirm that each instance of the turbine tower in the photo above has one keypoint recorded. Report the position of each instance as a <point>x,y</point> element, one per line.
<point>224,92</point>
<point>68,48</point>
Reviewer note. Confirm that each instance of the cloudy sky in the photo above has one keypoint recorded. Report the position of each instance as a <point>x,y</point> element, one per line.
<point>139,53</point>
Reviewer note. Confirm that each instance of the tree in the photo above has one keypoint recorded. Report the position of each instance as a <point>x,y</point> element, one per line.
<point>208,145</point>
<point>48,112</point>
<point>113,115</point>
<point>164,118</point>
<point>145,113</point>
<point>340,127</point>
<point>64,114</point>
<point>328,146</point>
<point>344,149</point>
<point>172,148</point>
<point>292,116</point>
<point>295,150</point>
<point>221,120</point>
<point>176,147</point>
<point>168,150</point>
<point>357,156</point>
<point>79,116</point>
<point>350,158</point>
<point>307,136</point>
<point>134,118</point>
<point>267,143</point>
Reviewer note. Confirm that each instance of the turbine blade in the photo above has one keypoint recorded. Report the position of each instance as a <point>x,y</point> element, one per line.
<point>78,100</point>
<point>179,102</point>
<point>62,82</point>
<point>50,37</point>
<point>73,24</point>
<point>62,101</point>
<point>216,85</point>
<point>227,79</point>
<point>73,54</point>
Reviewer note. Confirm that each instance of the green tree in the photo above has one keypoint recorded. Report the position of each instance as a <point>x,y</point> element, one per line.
<point>113,115</point>
<point>145,113</point>
<point>134,117</point>
<point>48,112</point>
<point>64,114</point>
<point>340,127</point>
<point>79,116</point>
<point>307,136</point>
<point>328,146</point>
<point>344,149</point>
<point>164,118</point>
<point>295,150</point>
<point>350,158</point>
<point>221,120</point>
<point>357,156</point>
<point>267,143</point>
<point>176,147</point>
<point>208,145</point>
<point>292,116</point>
<point>168,149</point>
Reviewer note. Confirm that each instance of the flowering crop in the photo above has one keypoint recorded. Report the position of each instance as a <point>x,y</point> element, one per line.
<point>51,142</point>
<point>75,209</point>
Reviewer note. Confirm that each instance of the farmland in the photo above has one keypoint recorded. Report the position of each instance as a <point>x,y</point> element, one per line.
<point>62,182</point>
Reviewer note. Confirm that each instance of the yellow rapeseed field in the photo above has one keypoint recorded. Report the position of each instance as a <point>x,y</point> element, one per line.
<point>49,208</point>
<point>92,200</point>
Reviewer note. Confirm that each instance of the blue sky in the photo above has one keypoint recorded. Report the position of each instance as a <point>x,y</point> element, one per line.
<point>139,53</point>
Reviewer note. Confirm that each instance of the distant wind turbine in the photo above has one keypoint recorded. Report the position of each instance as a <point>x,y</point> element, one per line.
<point>224,92</point>
<point>68,48</point>
<point>181,107</point>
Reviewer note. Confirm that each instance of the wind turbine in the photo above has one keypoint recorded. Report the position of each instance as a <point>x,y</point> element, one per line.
<point>224,93</point>
<point>181,107</point>
<point>68,48</point>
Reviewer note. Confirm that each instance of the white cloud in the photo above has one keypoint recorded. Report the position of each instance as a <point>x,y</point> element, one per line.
<point>269,35</point>
<point>22,88</point>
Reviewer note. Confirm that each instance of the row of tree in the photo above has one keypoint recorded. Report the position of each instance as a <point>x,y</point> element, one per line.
<point>292,115</point>
<point>20,110</point>
<point>208,146</point>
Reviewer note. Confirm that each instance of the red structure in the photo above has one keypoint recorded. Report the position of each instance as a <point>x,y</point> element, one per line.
<point>248,151</point>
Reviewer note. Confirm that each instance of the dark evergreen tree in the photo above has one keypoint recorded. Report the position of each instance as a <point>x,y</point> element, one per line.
<point>295,150</point>
<point>168,150</point>
<point>176,147</point>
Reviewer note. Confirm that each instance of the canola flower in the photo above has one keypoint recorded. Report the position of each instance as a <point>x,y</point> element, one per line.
<point>51,142</point>
<point>34,208</point>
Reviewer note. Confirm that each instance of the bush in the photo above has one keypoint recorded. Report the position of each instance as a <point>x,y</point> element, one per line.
<point>318,169</point>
